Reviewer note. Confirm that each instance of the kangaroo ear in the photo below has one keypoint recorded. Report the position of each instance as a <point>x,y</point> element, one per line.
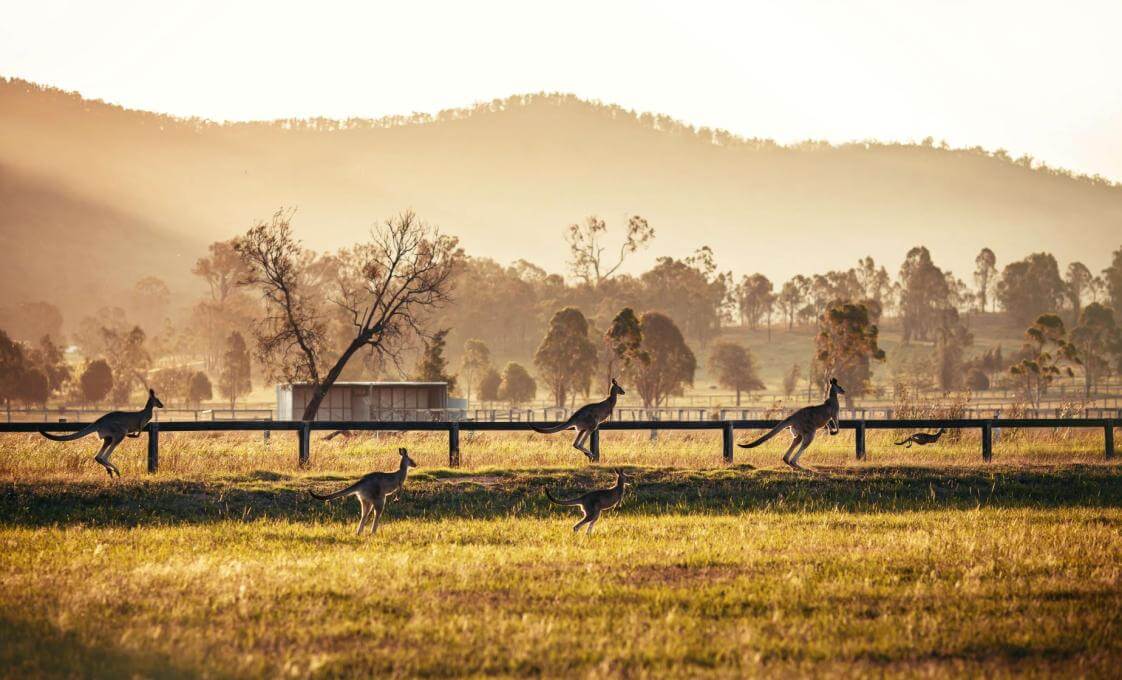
<point>403,451</point>
<point>833,381</point>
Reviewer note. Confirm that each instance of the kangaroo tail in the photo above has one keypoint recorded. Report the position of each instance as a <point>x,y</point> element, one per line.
<point>771,433</point>
<point>554,428</point>
<point>332,496</point>
<point>88,429</point>
<point>903,441</point>
<point>572,501</point>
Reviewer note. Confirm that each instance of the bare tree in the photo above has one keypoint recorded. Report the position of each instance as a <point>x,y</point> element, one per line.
<point>382,286</point>
<point>587,252</point>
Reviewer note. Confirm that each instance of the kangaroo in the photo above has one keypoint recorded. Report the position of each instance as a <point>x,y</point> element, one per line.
<point>586,419</point>
<point>921,438</point>
<point>113,427</point>
<point>595,502</point>
<point>372,491</point>
<point>804,423</point>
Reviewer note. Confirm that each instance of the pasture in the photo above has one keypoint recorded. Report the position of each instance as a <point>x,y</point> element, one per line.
<point>921,561</point>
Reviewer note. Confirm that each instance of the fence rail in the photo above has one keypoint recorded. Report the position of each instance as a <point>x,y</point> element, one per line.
<point>303,429</point>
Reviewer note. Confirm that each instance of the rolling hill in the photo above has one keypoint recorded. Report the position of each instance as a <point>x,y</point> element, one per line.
<point>505,176</point>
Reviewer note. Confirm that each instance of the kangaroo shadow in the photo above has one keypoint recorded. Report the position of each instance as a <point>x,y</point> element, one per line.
<point>486,495</point>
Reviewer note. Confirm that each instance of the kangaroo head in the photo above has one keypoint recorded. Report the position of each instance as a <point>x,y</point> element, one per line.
<point>405,459</point>
<point>616,389</point>
<point>154,400</point>
<point>835,387</point>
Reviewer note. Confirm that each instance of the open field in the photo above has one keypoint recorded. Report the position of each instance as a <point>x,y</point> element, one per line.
<point>220,566</point>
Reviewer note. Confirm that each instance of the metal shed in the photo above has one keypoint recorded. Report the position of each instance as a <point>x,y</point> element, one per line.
<point>406,400</point>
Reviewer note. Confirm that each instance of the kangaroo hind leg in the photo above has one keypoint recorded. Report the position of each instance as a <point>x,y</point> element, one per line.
<point>365,506</point>
<point>578,443</point>
<point>805,443</point>
<point>114,441</point>
<point>379,506</point>
<point>99,459</point>
<point>794,442</point>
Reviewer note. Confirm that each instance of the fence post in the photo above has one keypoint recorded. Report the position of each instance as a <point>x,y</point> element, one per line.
<point>594,445</point>
<point>305,437</point>
<point>1108,433</point>
<point>859,438</point>
<point>726,442</point>
<point>153,448</point>
<point>454,444</point>
<point>987,441</point>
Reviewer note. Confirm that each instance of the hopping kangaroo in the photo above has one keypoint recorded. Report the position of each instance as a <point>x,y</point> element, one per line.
<point>921,438</point>
<point>586,419</point>
<point>113,428</point>
<point>804,423</point>
<point>595,502</point>
<point>372,491</point>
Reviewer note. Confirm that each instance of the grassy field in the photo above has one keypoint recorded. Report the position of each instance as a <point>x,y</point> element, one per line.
<point>221,566</point>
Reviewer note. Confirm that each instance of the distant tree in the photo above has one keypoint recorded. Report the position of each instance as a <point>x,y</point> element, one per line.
<point>755,299</point>
<point>951,340</point>
<point>489,384</point>
<point>734,368</point>
<point>791,298</point>
<point>234,381</point>
<point>566,357</point>
<point>432,366</point>
<point>12,367</point>
<point>1112,277</point>
<point>96,381</point>
<point>49,358</point>
<point>586,251</point>
<point>129,360</point>
<point>923,294</point>
<point>383,286</point>
<point>845,345</point>
<point>875,284</point>
<point>1098,339</point>
<point>475,360</point>
<point>977,380</point>
<point>517,387</point>
<point>33,388</point>
<point>670,364</point>
<point>690,291</point>
<point>1077,281</point>
<point>791,380</point>
<point>228,307</point>
<point>200,390</point>
<point>173,383</point>
<point>624,339</point>
<point>1031,287</point>
<point>1046,355</point>
<point>985,276</point>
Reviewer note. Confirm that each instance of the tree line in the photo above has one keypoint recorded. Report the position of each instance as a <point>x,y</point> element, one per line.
<point>394,303</point>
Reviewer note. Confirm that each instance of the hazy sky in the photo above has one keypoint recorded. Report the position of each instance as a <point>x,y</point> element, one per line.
<point>1043,78</point>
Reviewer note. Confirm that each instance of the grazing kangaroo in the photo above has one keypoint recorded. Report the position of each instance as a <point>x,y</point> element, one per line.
<point>804,423</point>
<point>586,419</point>
<point>595,502</point>
<point>113,428</point>
<point>921,438</point>
<point>372,491</point>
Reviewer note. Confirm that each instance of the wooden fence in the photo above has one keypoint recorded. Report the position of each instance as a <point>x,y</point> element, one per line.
<point>728,429</point>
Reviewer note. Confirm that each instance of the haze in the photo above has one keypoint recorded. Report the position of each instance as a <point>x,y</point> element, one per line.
<point>1032,78</point>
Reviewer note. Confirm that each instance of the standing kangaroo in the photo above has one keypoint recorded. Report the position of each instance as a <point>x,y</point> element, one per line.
<point>804,423</point>
<point>921,438</point>
<point>372,491</point>
<point>595,502</point>
<point>586,419</point>
<point>113,428</point>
